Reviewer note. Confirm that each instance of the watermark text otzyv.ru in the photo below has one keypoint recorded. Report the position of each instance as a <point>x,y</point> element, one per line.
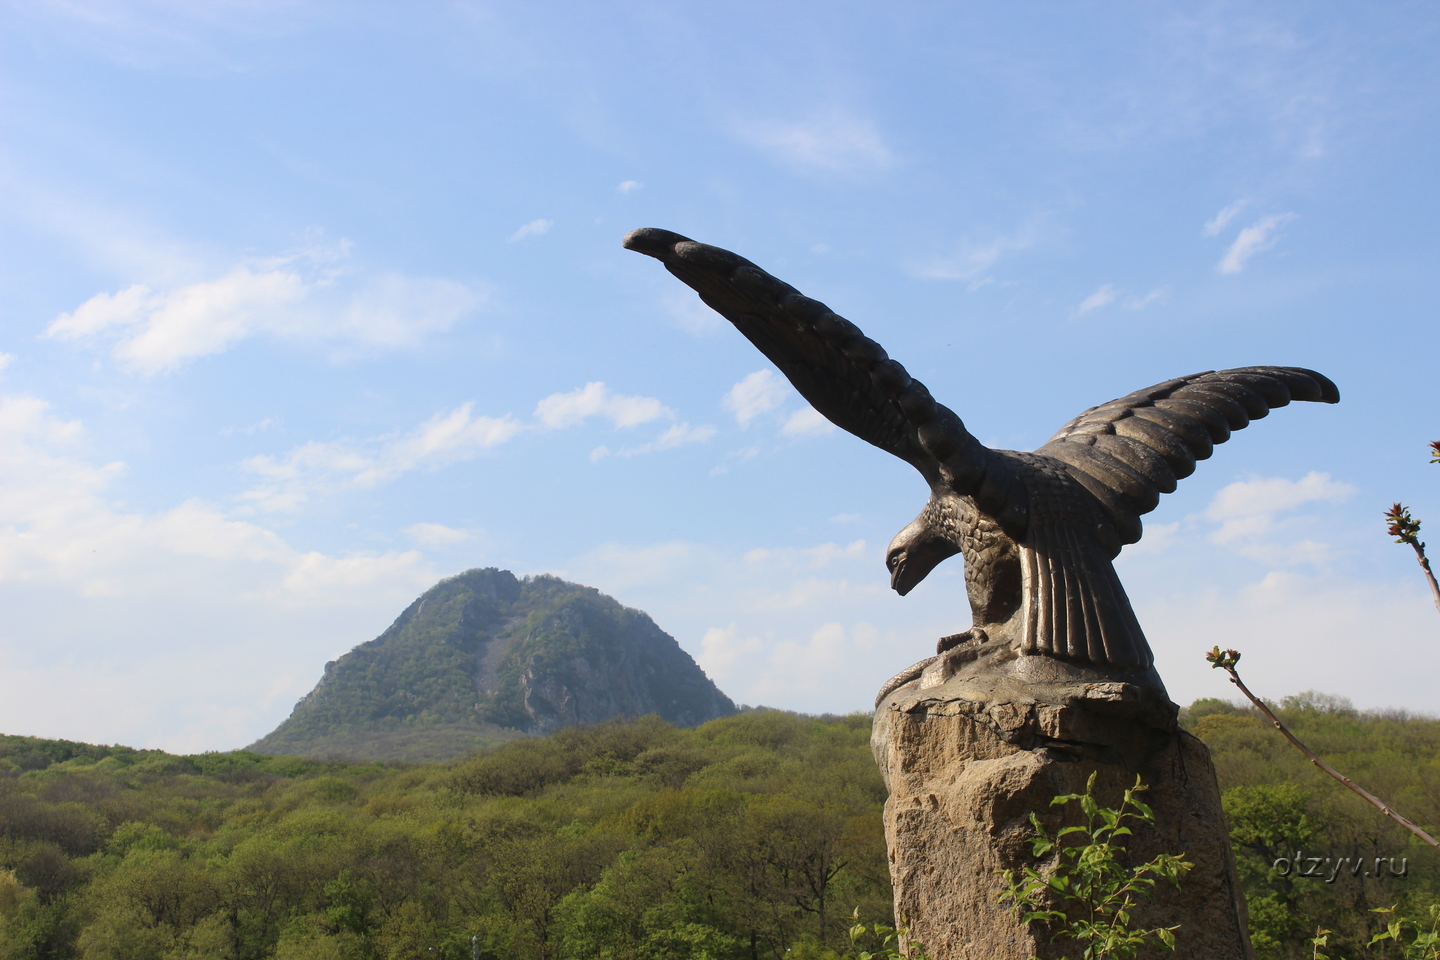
<point>1330,868</point>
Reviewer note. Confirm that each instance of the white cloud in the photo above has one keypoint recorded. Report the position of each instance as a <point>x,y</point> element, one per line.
<point>259,426</point>
<point>1102,297</point>
<point>823,652</point>
<point>1108,293</point>
<point>812,666</point>
<point>733,610</point>
<point>630,186</point>
<point>734,456</point>
<point>1257,237</point>
<point>832,142</point>
<point>812,558</point>
<point>561,410</point>
<point>1301,631</point>
<point>320,468</point>
<point>1158,295</point>
<point>760,392</point>
<point>315,467</point>
<point>1221,220</point>
<point>1158,538</point>
<point>5,360</point>
<point>1257,519</point>
<point>690,313</point>
<point>676,435</point>
<point>721,648</point>
<point>198,619</point>
<point>313,576</point>
<point>806,421</point>
<point>620,567</point>
<point>813,592</point>
<point>1250,507</point>
<point>303,296</point>
<point>437,534</point>
<point>393,310</point>
<point>973,260</point>
<point>148,34</point>
<point>535,228</point>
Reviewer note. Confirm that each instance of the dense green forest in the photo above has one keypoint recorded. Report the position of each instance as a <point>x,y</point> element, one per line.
<point>1277,802</point>
<point>741,839</point>
<point>737,839</point>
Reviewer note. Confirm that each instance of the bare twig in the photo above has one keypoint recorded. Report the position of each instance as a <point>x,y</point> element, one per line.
<point>1226,660</point>
<point>1406,529</point>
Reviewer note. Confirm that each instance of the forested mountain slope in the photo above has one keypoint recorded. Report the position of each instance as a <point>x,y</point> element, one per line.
<point>485,657</point>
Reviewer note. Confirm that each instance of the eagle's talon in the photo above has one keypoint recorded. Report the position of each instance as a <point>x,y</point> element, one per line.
<point>973,635</point>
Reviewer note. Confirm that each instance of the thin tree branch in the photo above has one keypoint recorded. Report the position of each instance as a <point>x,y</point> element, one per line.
<point>1226,660</point>
<point>1429,574</point>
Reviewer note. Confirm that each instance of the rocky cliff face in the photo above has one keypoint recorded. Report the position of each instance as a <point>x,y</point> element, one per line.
<point>486,656</point>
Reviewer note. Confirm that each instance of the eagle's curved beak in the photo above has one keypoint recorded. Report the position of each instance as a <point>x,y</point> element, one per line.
<point>913,553</point>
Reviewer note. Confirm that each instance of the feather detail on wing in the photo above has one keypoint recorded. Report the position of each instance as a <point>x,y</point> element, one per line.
<point>844,375</point>
<point>1129,451</point>
<point>1077,609</point>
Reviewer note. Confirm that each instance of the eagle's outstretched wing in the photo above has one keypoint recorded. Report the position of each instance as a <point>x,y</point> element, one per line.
<point>1129,451</point>
<point>1125,453</point>
<point>844,375</point>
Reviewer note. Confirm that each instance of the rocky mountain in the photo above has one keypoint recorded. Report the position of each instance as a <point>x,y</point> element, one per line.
<point>486,656</point>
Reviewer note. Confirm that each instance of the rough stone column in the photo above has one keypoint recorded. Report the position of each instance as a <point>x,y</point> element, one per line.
<point>967,760</point>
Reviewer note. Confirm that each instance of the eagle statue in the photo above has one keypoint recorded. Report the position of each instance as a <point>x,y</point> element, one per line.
<point>1037,531</point>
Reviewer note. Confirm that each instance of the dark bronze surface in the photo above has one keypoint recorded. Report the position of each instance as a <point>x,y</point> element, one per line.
<point>1038,531</point>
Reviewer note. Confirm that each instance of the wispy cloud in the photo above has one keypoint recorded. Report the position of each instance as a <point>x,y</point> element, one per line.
<point>835,141</point>
<point>309,295</point>
<point>156,33</point>
<point>675,436</point>
<point>630,186</point>
<point>325,468</point>
<point>316,468</point>
<point>259,426</point>
<point>561,410</point>
<point>973,260</point>
<point>535,228</point>
<point>722,648</point>
<point>691,314</point>
<point>1137,302</point>
<point>680,433</point>
<point>1102,297</point>
<point>812,558</point>
<point>1221,220</point>
<point>756,618</point>
<point>150,582</point>
<point>1257,237</point>
<point>437,534</point>
<point>1250,515</point>
<point>760,392</point>
<point>1108,293</point>
<point>64,529</point>
<point>806,421</point>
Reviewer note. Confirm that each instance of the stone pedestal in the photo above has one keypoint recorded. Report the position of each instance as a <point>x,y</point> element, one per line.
<point>967,759</point>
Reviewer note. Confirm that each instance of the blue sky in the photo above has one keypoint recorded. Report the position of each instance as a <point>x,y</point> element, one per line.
<point>307,305</point>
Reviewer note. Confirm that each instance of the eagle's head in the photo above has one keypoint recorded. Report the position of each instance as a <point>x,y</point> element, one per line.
<point>931,537</point>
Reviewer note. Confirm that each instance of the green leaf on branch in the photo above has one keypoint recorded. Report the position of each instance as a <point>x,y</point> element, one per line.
<point>1087,894</point>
